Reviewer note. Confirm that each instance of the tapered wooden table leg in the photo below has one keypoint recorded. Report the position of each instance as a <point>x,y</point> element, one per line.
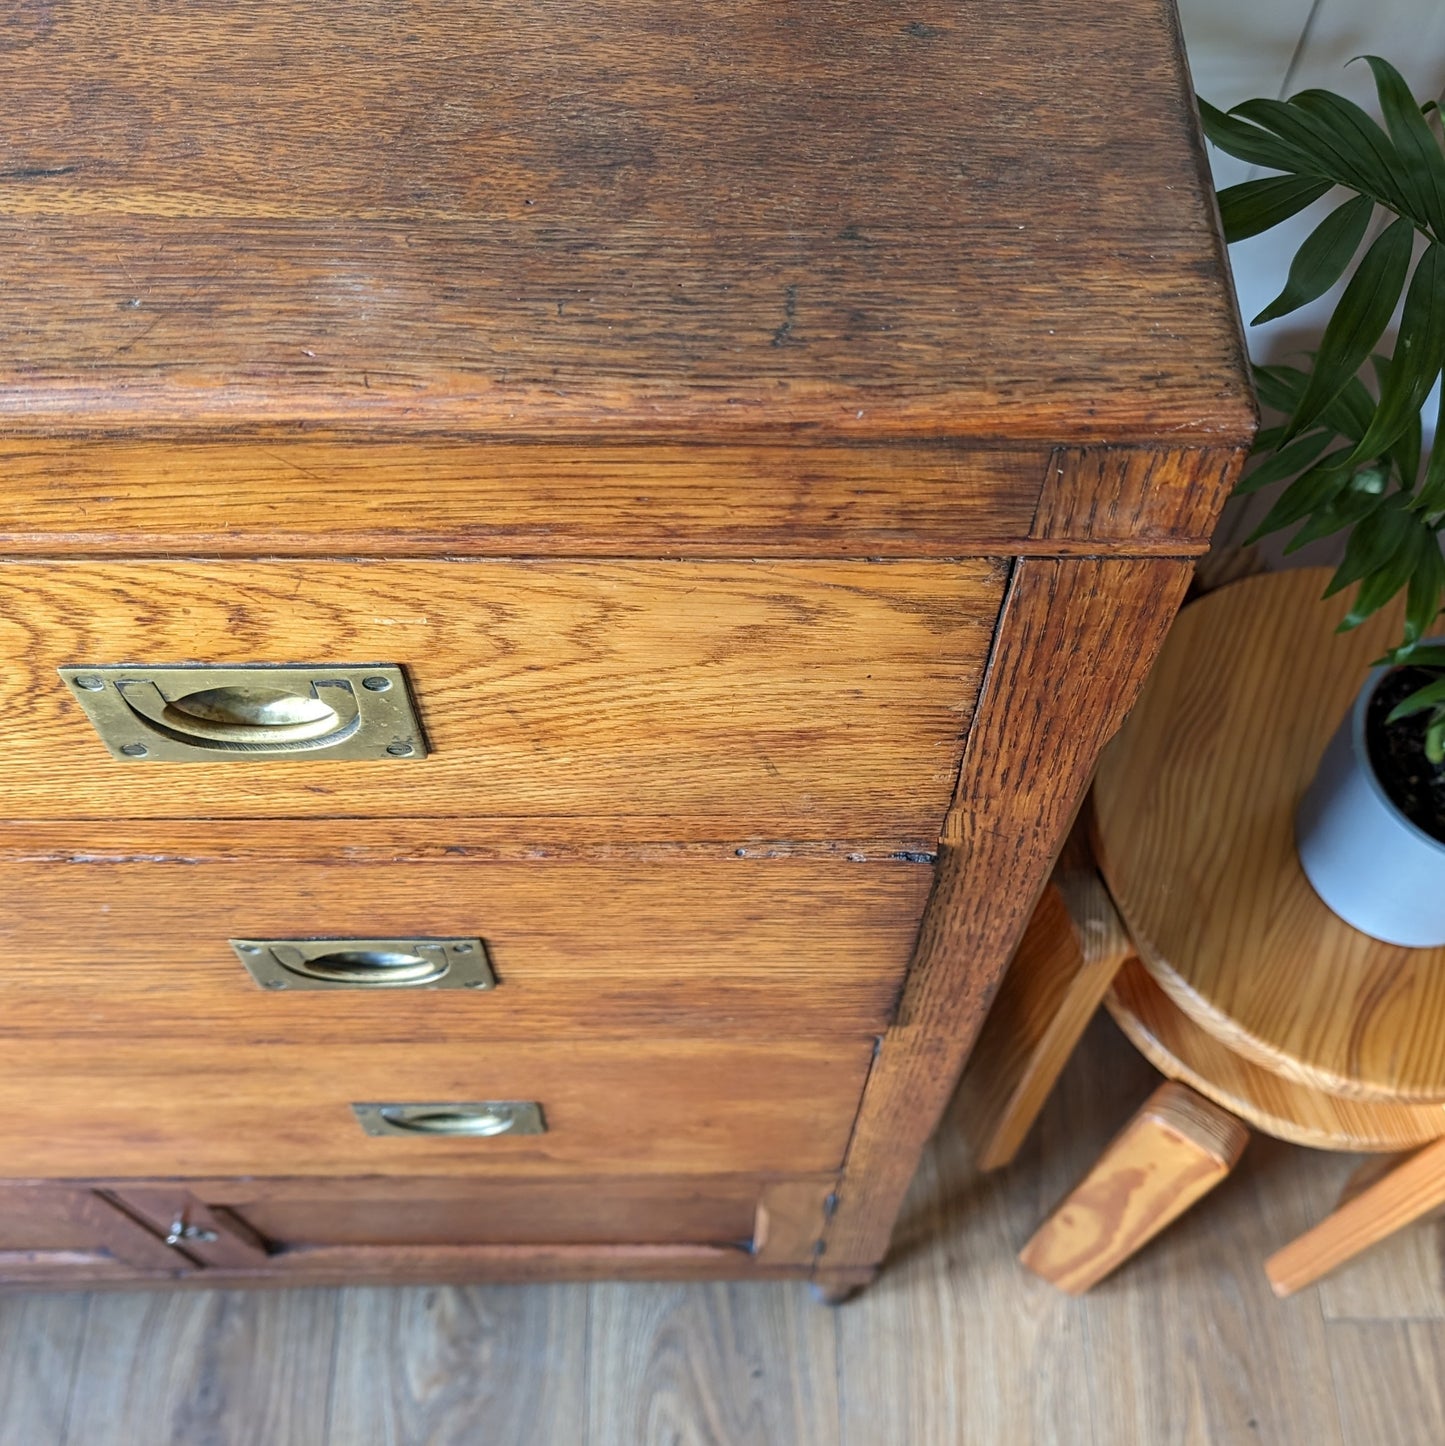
<point>1176,1149</point>
<point>1071,950</point>
<point>1412,1189</point>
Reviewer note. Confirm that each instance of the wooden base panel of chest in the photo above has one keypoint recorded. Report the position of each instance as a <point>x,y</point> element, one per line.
<point>420,1229</point>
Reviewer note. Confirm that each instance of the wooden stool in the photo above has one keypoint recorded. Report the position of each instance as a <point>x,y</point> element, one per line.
<point>1220,963</point>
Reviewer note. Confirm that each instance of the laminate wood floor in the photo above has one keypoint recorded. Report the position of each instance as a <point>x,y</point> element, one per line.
<point>955,1346</point>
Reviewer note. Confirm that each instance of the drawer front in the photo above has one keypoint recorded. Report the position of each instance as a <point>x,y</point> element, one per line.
<point>810,699</point>
<point>678,940</point>
<point>718,1210</point>
<point>73,1109</point>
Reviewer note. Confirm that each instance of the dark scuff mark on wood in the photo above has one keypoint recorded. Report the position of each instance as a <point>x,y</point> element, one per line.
<point>37,173</point>
<point>784,334</point>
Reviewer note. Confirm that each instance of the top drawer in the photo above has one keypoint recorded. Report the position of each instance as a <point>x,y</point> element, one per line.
<point>798,699</point>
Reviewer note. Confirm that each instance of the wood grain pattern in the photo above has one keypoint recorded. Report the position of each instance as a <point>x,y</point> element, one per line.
<point>1070,951</point>
<point>455,1359</point>
<point>163,1208</point>
<point>1388,1380</point>
<point>790,1218</point>
<point>495,1210</point>
<point>84,1108</point>
<point>402,1265</point>
<point>1180,1048</point>
<point>955,1346</point>
<point>701,1367</point>
<point>1403,1277</point>
<point>1075,642</point>
<point>842,222</point>
<point>1174,1151</point>
<point>958,1346</point>
<point>42,1220</point>
<point>395,498</point>
<point>620,946</point>
<point>39,1350</point>
<point>823,698</point>
<point>1135,498</point>
<point>551,296</point>
<point>586,840</point>
<point>225,1368</point>
<point>1222,744</point>
<point>1413,1188</point>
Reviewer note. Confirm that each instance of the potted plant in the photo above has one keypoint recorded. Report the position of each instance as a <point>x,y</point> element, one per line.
<point>1371,828</point>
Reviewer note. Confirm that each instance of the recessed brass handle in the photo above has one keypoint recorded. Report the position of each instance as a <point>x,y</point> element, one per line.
<point>472,1119</point>
<point>406,963</point>
<point>249,716</point>
<point>197,712</point>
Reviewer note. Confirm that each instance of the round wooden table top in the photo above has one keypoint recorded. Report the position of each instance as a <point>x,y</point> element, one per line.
<point>1194,808</point>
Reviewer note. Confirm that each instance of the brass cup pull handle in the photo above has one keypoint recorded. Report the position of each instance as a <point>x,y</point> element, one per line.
<point>452,1122</point>
<point>470,1119</point>
<point>368,964</point>
<point>209,713</point>
<point>248,718</point>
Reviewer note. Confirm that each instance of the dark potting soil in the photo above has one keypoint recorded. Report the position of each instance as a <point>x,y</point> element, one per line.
<point>1397,753</point>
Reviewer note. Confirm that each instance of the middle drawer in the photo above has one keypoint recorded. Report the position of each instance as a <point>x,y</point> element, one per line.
<point>817,700</point>
<point>82,1109</point>
<point>122,933</point>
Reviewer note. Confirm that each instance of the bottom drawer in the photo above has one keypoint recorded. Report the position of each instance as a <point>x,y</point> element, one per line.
<point>429,1228</point>
<point>69,1109</point>
<point>720,1210</point>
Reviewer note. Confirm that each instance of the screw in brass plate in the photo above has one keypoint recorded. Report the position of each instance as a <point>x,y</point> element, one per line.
<point>134,750</point>
<point>399,750</point>
<point>376,685</point>
<point>90,683</point>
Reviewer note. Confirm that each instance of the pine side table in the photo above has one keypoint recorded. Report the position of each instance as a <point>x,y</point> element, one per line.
<point>1207,944</point>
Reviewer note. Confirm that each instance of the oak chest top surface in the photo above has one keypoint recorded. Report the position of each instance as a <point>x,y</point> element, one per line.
<point>557,218</point>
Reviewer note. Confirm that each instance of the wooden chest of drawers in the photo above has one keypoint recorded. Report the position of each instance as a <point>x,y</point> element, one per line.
<point>681,496</point>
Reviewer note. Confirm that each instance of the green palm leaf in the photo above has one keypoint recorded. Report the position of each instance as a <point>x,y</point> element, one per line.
<point>1285,463</point>
<point>1358,320</point>
<point>1311,490</point>
<point>1371,152</point>
<point>1322,258</point>
<point>1329,154</point>
<point>1432,695</point>
<point>1249,143</point>
<point>1354,504</point>
<point>1426,586</point>
<point>1415,143</point>
<point>1416,362</point>
<point>1255,206</point>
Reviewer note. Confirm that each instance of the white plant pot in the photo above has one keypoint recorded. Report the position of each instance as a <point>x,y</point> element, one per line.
<point>1376,869</point>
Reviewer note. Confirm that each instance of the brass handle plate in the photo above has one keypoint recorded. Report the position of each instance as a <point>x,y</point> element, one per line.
<point>406,963</point>
<point>453,1120</point>
<point>192,713</point>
